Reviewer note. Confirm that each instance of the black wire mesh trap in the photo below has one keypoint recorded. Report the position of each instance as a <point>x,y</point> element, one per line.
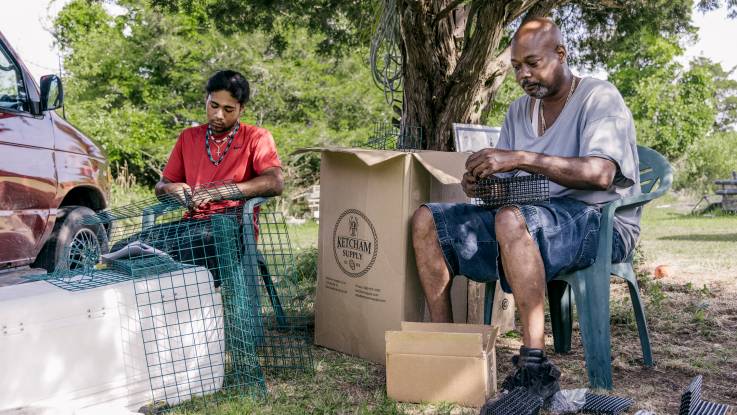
<point>517,402</point>
<point>387,136</point>
<point>692,404</point>
<point>213,277</point>
<point>606,405</point>
<point>517,190</point>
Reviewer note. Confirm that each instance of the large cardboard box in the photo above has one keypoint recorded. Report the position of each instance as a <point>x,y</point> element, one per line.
<point>427,362</point>
<point>367,279</point>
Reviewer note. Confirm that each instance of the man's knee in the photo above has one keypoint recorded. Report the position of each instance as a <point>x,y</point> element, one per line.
<point>509,224</point>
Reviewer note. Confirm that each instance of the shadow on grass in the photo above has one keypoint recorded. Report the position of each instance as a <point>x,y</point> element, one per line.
<point>699,216</point>
<point>717,237</point>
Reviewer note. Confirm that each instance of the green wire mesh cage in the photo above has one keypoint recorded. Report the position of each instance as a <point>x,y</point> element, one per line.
<point>213,277</point>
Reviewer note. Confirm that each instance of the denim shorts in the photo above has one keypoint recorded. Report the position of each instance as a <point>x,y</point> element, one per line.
<point>565,230</point>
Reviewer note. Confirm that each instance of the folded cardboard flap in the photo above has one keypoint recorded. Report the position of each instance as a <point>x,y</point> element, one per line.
<point>489,333</point>
<point>446,167</point>
<point>368,157</point>
<point>435,343</point>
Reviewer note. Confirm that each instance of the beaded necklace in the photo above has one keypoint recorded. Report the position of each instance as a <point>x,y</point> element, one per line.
<point>230,137</point>
<point>542,115</point>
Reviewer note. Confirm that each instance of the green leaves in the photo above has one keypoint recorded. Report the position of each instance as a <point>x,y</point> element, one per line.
<point>340,24</point>
<point>672,108</point>
<point>709,158</point>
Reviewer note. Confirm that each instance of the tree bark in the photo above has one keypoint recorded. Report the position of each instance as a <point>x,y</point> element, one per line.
<point>447,80</point>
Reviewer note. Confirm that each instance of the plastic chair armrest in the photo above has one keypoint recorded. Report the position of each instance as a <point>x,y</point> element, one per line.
<point>252,203</point>
<point>607,217</point>
<point>249,230</point>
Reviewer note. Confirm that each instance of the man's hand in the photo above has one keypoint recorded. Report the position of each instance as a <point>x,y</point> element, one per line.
<point>202,197</point>
<point>591,172</point>
<point>180,191</point>
<point>488,161</point>
<point>469,184</point>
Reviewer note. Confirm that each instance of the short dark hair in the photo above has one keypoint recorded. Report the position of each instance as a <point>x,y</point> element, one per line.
<point>230,81</point>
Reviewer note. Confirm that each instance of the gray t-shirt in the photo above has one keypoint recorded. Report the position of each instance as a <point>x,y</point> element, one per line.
<point>595,122</point>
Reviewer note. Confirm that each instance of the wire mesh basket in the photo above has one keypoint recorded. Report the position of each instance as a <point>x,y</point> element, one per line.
<point>495,192</point>
<point>213,276</point>
<point>387,136</point>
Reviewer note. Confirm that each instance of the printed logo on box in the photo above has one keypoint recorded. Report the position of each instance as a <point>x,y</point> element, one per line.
<point>355,244</point>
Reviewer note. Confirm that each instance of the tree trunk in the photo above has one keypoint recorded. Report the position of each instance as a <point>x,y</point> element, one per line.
<point>450,80</point>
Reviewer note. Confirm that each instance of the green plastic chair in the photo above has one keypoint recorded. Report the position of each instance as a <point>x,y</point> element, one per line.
<point>591,288</point>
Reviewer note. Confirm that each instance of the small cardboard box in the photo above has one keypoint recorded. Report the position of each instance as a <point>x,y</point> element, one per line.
<point>429,362</point>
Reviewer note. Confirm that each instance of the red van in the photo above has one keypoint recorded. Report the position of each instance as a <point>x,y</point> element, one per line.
<point>51,175</point>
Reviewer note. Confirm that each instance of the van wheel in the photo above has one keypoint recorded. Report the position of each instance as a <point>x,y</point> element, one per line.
<point>72,244</point>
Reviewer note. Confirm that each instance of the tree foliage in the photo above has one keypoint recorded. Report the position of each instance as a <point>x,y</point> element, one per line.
<point>455,52</point>
<point>672,107</point>
<point>725,92</point>
<point>342,24</point>
<point>709,158</point>
<point>135,80</point>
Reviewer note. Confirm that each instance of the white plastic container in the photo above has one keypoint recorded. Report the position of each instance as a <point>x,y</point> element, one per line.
<point>85,349</point>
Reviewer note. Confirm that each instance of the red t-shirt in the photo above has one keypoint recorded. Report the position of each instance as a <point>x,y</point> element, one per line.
<point>253,150</point>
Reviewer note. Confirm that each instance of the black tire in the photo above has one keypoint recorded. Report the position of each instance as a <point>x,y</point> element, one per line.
<point>73,244</point>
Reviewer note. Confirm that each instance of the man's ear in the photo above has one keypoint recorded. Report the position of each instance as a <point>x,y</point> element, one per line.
<point>562,53</point>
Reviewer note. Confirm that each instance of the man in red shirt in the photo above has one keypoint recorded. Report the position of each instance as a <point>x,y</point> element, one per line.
<point>223,150</point>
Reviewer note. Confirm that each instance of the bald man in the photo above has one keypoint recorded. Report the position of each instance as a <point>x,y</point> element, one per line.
<point>579,133</point>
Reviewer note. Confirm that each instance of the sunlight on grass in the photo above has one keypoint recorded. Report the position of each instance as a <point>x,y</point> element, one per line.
<point>694,243</point>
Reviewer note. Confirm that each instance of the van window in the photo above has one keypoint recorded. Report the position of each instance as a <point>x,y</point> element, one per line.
<point>12,92</point>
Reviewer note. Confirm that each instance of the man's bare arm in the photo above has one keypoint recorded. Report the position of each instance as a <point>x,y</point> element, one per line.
<point>593,173</point>
<point>269,183</point>
<point>164,186</point>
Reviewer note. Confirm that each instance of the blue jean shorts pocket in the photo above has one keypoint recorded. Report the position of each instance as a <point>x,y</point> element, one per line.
<point>587,253</point>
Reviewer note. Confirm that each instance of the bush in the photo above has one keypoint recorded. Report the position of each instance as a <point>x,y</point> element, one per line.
<point>709,158</point>
<point>125,188</point>
<point>305,264</point>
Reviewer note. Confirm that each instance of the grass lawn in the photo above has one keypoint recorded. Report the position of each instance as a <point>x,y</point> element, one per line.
<point>692,314</point>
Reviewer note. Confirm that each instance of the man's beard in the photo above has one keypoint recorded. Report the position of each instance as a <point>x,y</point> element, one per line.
<point>540,91</point>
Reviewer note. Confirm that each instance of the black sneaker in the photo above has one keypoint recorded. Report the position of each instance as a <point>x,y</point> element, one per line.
<point>534,372</point>
<point>515,379</point>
